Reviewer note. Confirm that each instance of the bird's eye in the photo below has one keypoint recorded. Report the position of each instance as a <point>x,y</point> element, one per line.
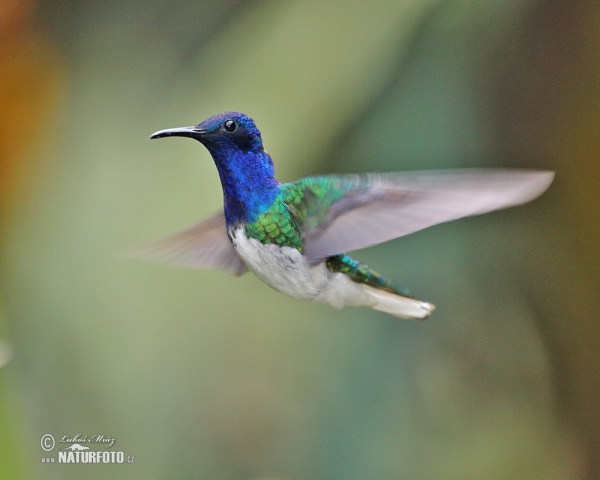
<point>230,126</point>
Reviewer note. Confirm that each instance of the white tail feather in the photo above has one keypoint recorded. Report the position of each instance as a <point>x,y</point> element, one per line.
<point>399,306</point>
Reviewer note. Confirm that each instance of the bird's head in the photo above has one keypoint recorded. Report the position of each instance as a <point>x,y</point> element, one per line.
<point>224,133</point>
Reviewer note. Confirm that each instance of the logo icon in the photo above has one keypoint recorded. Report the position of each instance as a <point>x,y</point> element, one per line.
<point>76,448</point>
<point>47,442</point>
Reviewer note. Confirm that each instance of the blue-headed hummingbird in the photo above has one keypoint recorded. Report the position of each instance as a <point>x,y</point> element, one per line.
<point>294,236</point>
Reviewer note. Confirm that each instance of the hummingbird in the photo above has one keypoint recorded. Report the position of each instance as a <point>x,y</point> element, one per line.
<point>295,236</point>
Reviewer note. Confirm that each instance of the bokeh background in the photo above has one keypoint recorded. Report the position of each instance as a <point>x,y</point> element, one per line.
<point>202,375</point>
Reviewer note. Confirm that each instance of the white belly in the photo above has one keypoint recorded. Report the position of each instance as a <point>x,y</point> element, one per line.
<point>286,270</point>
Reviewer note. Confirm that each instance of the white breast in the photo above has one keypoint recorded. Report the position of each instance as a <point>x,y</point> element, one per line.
<point>286,270</point>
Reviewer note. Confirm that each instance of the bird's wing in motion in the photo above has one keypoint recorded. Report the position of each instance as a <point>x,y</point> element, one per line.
<point>341,213</point>
<point>204,245</point>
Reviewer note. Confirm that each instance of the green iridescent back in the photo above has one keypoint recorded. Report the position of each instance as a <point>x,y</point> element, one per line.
<point>276,226</point>
<point>309,197</point>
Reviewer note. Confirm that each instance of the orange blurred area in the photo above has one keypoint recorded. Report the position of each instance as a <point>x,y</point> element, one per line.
<point>31,81</point>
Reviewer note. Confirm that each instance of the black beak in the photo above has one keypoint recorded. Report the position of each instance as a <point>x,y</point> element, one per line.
<point>193,132</point>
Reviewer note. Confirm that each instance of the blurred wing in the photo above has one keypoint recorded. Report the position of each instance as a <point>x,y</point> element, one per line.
<point>204,245</point>
<point>341,213</point>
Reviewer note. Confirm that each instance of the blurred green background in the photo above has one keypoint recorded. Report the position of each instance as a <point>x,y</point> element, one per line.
<point>198,374</point>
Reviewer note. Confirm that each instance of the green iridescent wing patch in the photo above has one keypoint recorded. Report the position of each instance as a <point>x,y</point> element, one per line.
<point>310,199</point>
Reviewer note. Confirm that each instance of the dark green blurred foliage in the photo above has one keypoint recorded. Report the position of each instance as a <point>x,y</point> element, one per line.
<point>203,375</point>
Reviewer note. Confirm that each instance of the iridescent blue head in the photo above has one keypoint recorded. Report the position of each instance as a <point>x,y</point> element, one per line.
<point>245,169</point>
